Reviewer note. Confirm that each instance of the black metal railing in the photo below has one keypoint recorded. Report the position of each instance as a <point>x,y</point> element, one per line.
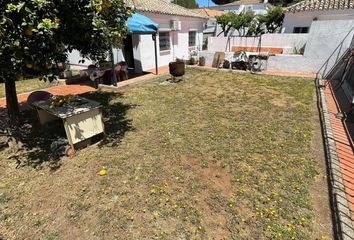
<point>322,72</point>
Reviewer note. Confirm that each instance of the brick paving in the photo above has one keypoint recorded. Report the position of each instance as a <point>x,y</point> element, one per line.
<point>264,72</point>
<point>162,70</point>
<point>150,75</point>
<point>57,90</point>
<point>137,79</point>
<point>344,147</point>
<point>289,74</point>
<point>80,89</point>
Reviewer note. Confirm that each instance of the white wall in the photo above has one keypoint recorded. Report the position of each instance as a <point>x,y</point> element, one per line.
<point>74,57</point>
<point>260,8</point>
<point>210,26</point>
<point>324,38</point>
<point>286,41</point>
<point>178,39</point>
<point>144,51</point>
<point>304,19</point>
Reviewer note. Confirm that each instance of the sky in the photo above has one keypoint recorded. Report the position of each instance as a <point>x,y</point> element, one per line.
<point>204,3</point>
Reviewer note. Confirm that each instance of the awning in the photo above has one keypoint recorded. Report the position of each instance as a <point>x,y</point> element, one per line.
<point>141,25</point>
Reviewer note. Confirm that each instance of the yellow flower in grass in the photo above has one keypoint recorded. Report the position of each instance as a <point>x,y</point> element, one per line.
<point>102,172</point>
<point>289,228</point>
<point>155,214</point>
<point>153,190</point>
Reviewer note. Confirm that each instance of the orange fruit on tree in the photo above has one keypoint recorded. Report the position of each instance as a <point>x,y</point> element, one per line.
<point>29,31</point>
<point>106,4</point>
<point>99,8</point>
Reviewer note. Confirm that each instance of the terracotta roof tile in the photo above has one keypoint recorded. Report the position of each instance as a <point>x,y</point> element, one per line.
<point>315,5</point>
<point>161,7</point>
<point>208,12</point>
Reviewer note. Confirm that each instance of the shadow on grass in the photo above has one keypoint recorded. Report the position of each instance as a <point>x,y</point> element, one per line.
<point>116,124</point>
<point>36,142</point>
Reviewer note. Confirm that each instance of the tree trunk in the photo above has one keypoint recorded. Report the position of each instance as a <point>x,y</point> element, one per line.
<point>11,99</point>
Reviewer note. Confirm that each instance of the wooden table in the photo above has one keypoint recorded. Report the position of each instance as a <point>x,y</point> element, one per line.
<point>82,119</point>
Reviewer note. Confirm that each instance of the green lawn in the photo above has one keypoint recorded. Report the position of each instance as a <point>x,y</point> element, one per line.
<point>27,85</point>
<point>217,156</point>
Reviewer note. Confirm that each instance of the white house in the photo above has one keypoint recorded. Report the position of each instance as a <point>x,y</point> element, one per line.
<point>254,6</point>
<point>180,31</point>
<point>299,17</point>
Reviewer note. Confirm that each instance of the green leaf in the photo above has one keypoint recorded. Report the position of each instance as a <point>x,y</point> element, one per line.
<point>14,7</point>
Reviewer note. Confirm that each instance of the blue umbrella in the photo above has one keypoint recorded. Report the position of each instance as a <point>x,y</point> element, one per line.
<point>139,24</point>
<point>142,25</point>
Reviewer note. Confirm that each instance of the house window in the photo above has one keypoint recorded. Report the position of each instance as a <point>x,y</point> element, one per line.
<point>192,38</point>
<point>301,30</point>
<point>164,41</point>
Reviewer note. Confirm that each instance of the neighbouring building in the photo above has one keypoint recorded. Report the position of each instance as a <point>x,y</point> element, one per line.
<point>327,41</point>
<point>257,7</point>
<point>180,31</point>
<point>299,17</point>
<point>254,6</point>
<point>211,26</point>
<point>329,27</point>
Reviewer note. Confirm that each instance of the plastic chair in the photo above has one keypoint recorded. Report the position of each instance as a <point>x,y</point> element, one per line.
<point>38,96</point>
<point>121,71</point>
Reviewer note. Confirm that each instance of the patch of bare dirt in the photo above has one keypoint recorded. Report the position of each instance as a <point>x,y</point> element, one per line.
<point>280,101</point>
<point>323,228</point>
<point>210,172</point>
<point>215,222</point>
<point>214,219</point>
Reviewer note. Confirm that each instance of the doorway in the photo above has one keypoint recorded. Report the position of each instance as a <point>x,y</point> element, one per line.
<point>128,51</point>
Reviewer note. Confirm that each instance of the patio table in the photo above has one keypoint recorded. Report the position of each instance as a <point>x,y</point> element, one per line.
<point>82,118</point>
